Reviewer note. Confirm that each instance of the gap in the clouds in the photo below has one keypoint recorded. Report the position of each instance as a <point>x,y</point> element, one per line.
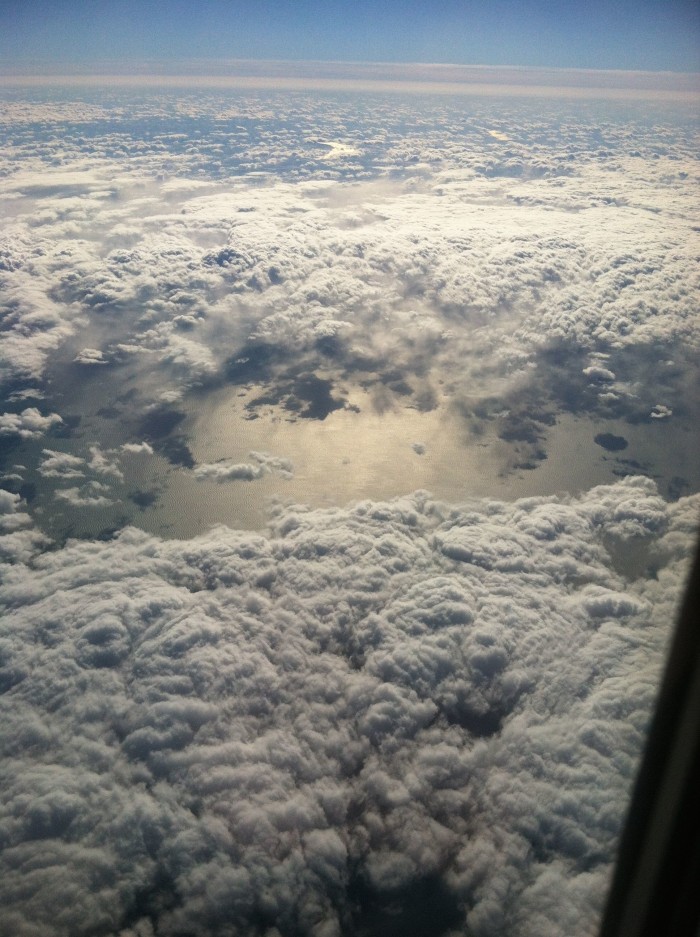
<point>357,452</point>
<point>424,908</point>
<point>367,448</point>
<point>353,452</point>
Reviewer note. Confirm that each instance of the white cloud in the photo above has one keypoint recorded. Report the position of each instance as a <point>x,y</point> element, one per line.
<point>422,695</point>
<point>8,501</point>
<point>104,463</point>
<point>57,464</point>
<point>598,374</point>
<point>225,470</point>
<point>29,424</point>
<point>137,448</point>
<point>90,356</point>
<point>90,495</point>
<point>446,260</point>
<point>28,393</point>
<point>19,540</point>
<point>228,471</point>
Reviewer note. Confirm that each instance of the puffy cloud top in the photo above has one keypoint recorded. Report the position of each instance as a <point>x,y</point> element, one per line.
<point>398,704</point>
<point>29,424</point>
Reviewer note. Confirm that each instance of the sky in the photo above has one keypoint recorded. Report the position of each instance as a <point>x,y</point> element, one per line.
<point>622,34</point>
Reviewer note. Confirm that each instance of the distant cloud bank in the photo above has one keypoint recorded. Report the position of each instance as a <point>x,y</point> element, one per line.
<point>415,78</point>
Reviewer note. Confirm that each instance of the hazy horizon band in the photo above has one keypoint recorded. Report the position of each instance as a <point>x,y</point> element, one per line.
<point>380,77</point>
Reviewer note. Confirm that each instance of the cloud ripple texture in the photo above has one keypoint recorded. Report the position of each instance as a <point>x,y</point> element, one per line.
<point>398,717</point>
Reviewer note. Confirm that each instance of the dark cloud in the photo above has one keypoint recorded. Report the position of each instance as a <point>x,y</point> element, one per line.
<point>611,442</point>
<point>144,499</point>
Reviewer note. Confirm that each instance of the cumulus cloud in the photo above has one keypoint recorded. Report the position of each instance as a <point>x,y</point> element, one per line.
<point>225,470</point>
<point>91,495</point>
<point>90,356</point>
<point>19,539</point>
<point>26,393</point>
<point>354,267</point>
<point>598,374</point>
<point>98,473</point>
<point>29,424</point>
<point>228,471</point>
<point>137,448</point>
<point>401,708</point>
<point>57,464</point>
<point>104,463</point>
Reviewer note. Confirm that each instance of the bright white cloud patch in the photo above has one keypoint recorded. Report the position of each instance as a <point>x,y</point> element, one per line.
<point>90,356</point>
<point>262,464</point>
<point>29,424</point>
<point>136,448</point>
<point>61,465</point>
<point>91,495</point>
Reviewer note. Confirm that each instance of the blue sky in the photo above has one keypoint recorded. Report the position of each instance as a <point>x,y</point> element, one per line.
<point>628,34</point>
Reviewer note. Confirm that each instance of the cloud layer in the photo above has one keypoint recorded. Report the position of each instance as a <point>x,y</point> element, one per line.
<point>394,706</point>
<point>498,263</point>
<point>395,716</point>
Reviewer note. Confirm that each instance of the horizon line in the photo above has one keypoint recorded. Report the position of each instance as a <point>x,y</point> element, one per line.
<point>332,75</point>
